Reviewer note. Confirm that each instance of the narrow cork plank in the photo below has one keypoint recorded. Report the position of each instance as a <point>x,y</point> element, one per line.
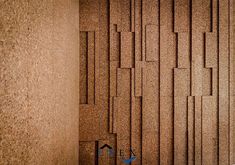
<point>114,14</point>
<point>89,127</point>
<point>181,82</point>
<point>150,16</point>
<point>167,63</point>
<point>201,16</point>
<point>136,141</point>
<point>191,129</point>
<point>150,114</point>
<point>113,77</point>
<point>115,114</point>
<point>87,155</point>
<point>88,15</point>
<point>124,113</point>
<point>211,50</point>
<point>198,131</point>
<point>231,85</point>
<point>114,39</point>
<point>152,43</point>
<point>223,83</point>
<point>181,15</point>
<point>125,15</point>
<point>183,48</point>
<point>111,114</point>
<point>91,67</point>
<point>197,63</point>
<point>127,53</point>
<point>132,8</point>
<point>207,83</point>
<point>181,91</point>
<point>138,30</point>
<point>166,130</point>
<point>208,130</point>
<point>180,130</point>
<point>167,60</point>
<point>138,78</point>
<point>150,11</point>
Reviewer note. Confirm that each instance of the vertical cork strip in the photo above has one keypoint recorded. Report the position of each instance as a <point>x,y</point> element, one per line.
<point>209,118</point>
<point>152,43</point>
<point>91,67</point>
<point>191,129</point>
<point>150,118</point>
<point>124,111</point>
<point>182,13</point>
<point>181,91</point>
<point>127,53</point>
<point>87,68</point>
<point>223,83</point>
<point>183,47</point>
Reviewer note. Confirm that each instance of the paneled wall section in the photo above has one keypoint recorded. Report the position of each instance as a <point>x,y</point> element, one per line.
<point>156,77</point>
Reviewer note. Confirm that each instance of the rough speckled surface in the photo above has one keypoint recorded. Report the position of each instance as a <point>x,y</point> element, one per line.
<point>39,82</point>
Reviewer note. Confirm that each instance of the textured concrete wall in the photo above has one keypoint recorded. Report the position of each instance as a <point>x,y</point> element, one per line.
<point>156,77</point>
<point>39,82</point>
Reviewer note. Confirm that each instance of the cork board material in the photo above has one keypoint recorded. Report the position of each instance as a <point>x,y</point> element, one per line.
<point>157,78</point>
<point>39,82</point>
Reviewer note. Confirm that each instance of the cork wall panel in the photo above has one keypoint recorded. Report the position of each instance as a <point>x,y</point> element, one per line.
<point>156,81</point>
<point>39,82</point>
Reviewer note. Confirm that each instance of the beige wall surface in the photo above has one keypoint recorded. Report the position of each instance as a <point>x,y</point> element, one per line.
<point>156,77</point>
<point>39,82</point>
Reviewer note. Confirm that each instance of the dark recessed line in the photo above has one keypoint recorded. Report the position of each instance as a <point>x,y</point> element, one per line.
<point>141,129</point>
<point>211,16</point>
<point>204,50</point>
<point>190,44</point>
<point>87,73</point>
<point>113,115</point>
<point>131,106</point>
<point>141,31</point>
<point>133,58</point>
<point>211,82</point>
<point>141,114</point>
<point>201,129</point>
<point>96,152</point>
<point>229,56</point>
<point>177,50</point>
<point>116,75</point>
<point>218,128</point>
<point>194,130</point>
<point>187,132</point>
<point>120,48</point>
<point>159,67</point>
<point>130,12</point>
<point>173,16</point>
<point>94,82</point>
<point>173,124</point>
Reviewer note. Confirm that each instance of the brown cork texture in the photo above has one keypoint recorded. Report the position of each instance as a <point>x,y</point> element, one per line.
<point>157,78</point>
<point>39,50</point>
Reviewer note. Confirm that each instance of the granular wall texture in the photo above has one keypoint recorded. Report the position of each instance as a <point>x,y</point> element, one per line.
<point>39,53</point>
